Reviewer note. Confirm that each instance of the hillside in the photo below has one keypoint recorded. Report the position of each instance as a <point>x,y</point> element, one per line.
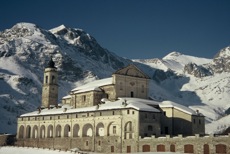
<point>200,83</point>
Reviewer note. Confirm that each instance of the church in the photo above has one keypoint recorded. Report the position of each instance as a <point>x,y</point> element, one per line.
<point>110,115</point>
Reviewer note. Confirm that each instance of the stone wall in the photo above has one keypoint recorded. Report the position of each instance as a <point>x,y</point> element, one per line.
<point>6,139</point>
<point>191,144</point>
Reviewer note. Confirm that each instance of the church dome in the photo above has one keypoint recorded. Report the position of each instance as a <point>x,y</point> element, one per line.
<point>51,64</point>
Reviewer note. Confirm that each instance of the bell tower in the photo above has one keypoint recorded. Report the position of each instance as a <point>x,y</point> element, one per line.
<point>50,86</point>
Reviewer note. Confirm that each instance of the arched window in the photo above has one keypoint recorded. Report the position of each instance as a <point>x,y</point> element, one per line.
<point>42,131</point>
<point>67,132</point>
<point>76,130</point>
<point>21,132</point>
<point>87,130</point>
<point>58,131</point>
<point>28,131</point>
<point>112,129</point>
<point>128,130</point>
<point>50,131</point>
<point>35,132</point>
<point>100,129</point>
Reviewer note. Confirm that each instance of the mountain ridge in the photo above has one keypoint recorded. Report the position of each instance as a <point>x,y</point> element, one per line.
<point>198,83</point>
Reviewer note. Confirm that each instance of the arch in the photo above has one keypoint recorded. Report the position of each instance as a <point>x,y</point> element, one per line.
<point>76,130</point>
<point>100,131</point>
<point>42,131</point>
<point>188,148</point>
<point>50,131</point>
<point>87,130</point>
<point>112,129</point>
<point>206,149</point>
<point>35,132</point>
<point>160,148</point>
<point>146,148</point>
<point>21,132</point>
<point>58,131</point>
<point>128,130</point>
<point>28,131</point>
<point>221,148</point>
<point>67,131</point>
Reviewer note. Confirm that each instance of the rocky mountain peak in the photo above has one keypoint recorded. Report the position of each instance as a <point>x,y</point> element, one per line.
<point>221,61</point>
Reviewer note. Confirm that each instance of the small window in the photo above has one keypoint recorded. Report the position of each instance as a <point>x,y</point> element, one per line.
<point>43,118</point>
<point>154,117</point>
<point>28,118</point>
<point>127,111</point>
<point>50,118</point>
<point>121,86</point>
<point>67,116</point>
<point>133,112</point>
<point>46,79</point>
<point>76,115</point>
<point>87,143</point>
<point>150,128</point>
<point>113,113</point>
<point>114,130</point>
<point>194,121</point>
<point>58,117</point>
<point>164,113</point>
<point>100,113</point>
<point>99,143</point>
<point>146,116</point>
<point>53,79</point>
<point>22,119</point>
<point>83,98</point>
<point>142,88</point>
<point>131,94</point>
<point>199,121</point>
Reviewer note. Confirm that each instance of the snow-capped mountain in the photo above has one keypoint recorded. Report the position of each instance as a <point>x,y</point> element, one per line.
<point>200,83</point>
<point>24,51</point>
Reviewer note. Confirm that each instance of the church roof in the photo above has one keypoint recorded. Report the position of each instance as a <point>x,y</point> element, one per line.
<point>93,86</point>
<point>132,70</point>
<point>121,103</point>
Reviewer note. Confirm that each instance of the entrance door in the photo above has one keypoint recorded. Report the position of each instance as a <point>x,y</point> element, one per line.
<point>128,149</point>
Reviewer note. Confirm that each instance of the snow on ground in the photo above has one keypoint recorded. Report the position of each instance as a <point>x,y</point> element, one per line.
<point>25,150</point>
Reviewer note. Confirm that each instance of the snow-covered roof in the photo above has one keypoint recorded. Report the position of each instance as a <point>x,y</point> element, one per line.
<point>66,97</point>
<point>93,86</point>
<point>121,103</point>
<point>182,108</point>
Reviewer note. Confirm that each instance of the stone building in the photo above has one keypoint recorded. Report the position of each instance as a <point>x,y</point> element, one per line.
<point>108,115</point>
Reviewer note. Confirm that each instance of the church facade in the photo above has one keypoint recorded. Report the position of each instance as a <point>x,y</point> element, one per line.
<point>111,115</point>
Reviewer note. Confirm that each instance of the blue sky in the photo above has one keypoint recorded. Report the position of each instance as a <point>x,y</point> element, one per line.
<point>133,28</point>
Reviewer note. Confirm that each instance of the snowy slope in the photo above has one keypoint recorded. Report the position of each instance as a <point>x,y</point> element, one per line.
<point>199,83</point>
<point>24,51</point>
<point>208,93</point>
